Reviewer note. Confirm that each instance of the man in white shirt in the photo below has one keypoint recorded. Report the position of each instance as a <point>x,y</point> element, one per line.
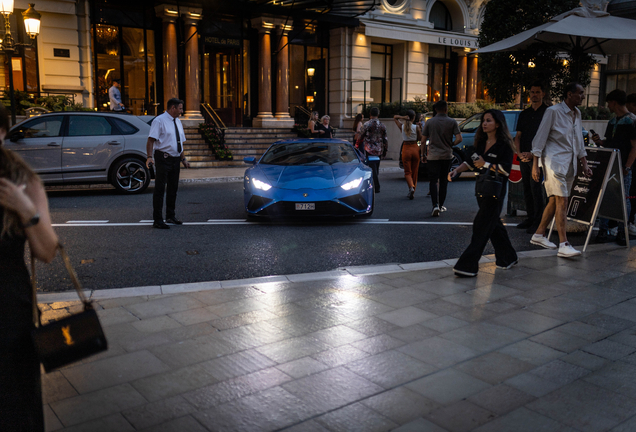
<point>165,138</point>
<point>558,147</point>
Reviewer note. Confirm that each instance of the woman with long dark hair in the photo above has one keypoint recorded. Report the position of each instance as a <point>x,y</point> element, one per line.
<point>24,216</point>
<point>411,134</point>
<point>494,150</point>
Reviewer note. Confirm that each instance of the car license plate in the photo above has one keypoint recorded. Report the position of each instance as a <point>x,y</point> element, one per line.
<point>305,206</point>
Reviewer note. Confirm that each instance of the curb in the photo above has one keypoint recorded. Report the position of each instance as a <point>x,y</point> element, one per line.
<point>353,272</point>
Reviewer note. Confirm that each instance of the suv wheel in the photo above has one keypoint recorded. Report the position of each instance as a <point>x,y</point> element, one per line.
<point>130,176</point>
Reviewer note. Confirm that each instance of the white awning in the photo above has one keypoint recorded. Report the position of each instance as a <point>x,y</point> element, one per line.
<point>402,33</point>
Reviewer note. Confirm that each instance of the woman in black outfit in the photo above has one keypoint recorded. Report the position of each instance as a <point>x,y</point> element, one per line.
<point>494,150</point>
<point>323,128</point>
<point>24,215</point>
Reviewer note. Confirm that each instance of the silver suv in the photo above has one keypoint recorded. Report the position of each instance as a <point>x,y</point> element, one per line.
<point>85,147</point>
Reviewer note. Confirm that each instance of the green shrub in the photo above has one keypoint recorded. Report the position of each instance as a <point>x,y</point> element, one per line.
<point>595,113</point>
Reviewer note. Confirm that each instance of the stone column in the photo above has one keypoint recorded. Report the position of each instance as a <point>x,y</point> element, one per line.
<point>471,90</point>
<point>462,65</point>
<point>193,80</point>
<point>264,72</point>
<point>265,118</point>
<point>169,16</point>
<point>282,80</point>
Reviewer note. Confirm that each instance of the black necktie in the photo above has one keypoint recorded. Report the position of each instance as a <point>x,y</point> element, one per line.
<point>176,132</point>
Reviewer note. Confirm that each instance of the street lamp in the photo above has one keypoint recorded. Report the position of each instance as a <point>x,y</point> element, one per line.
<point>32,26</point>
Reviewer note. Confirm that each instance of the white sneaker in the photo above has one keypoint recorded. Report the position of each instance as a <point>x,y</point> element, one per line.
<point>613,231</point>
<point>567,251</point>
<point>435,212</point>
<point>632,229</point>
<point>539,240</point>
<point>442,209</point>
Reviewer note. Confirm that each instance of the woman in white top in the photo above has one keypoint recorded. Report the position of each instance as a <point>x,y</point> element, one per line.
<point>411,134</point>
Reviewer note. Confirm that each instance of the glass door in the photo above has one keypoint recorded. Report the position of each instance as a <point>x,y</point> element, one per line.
<point>224,85</point>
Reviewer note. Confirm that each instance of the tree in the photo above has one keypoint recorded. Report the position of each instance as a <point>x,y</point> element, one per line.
<point>505,74</point>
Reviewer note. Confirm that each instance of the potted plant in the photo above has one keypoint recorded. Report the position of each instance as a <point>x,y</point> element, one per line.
<point>215,138</point>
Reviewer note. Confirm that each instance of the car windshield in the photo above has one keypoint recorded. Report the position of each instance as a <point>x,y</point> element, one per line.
<point>310,153</point>
<point>472,123</point>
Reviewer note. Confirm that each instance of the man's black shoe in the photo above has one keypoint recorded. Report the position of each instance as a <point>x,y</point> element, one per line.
<point>525,224</point>
<point>174,221</point>
<point>620,240</point>
<point>160,225</point>
<point>602,236</point>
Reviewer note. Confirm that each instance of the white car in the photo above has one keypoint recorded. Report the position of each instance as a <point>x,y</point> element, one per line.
<point>85,147</point>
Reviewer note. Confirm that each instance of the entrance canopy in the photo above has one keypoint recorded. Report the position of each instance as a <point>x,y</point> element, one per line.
<point>414,34</point>
<point>581,29</point>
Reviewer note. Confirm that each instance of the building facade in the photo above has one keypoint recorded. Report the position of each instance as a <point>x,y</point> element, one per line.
<point>254,62</point>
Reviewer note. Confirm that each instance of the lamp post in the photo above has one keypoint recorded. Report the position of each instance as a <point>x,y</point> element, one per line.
<point>32,26</point>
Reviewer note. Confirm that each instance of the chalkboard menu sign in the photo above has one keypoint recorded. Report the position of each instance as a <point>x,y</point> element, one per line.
<point>600,195</point>
<point>586,191</point>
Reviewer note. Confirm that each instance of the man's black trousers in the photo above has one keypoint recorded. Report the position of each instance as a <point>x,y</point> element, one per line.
<point>167,172</point>
<point>533,193</point>
<point>375,166</point>
<point>438,175</point>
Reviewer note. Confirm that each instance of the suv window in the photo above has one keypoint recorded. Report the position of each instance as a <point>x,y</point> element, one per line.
<point>42,127</point>
<point>511,119</point>
<point>84,125</point>
<point>124,127</point>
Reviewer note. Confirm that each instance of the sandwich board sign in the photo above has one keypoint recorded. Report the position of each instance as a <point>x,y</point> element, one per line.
<point>601,195</point>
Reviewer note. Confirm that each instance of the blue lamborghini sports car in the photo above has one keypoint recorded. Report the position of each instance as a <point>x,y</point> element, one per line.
<point>308,177</point>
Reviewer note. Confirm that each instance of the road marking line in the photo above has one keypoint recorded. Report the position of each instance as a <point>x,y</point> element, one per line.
<point>244,222</point>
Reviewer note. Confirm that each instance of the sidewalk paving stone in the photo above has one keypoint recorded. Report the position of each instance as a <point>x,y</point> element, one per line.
<point>549,345</point>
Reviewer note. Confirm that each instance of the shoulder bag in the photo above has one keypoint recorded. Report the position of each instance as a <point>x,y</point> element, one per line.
<point>489,184</point>
<point>69,339</point>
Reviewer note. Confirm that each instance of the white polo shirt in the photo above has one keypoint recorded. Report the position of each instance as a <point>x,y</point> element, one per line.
<point>162,130</point>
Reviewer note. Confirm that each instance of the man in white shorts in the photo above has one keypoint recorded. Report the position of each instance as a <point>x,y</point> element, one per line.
<point>558,147</point>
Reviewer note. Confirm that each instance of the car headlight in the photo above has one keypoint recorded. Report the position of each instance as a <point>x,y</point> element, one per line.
<point>261,185</point>
<point>352,184</point>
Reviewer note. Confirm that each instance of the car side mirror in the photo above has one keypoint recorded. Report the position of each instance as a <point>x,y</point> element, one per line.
<point>249,160</point>
<point>16,136</point>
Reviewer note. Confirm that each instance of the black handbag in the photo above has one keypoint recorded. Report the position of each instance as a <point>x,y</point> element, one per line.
<point>489,184</point>
<point>72,338</point>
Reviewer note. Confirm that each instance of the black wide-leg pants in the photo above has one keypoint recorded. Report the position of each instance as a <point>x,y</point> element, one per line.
<point>168,170</point>
<point>488,226</point>
<point>533,193</point>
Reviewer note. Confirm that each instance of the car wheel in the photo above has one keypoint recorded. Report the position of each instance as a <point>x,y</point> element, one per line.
<point>455,162</point>
<point>130,176</point>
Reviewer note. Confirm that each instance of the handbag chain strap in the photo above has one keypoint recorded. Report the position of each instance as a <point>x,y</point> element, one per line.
<point>74,279</point>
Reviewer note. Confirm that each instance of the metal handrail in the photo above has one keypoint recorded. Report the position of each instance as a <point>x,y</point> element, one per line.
<point>364,102</point>
<point>213,115</point>
<point>303,110</point>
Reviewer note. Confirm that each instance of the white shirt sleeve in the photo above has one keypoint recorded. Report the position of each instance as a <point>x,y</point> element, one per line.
<point>541,138</point>
<point>156,128</point>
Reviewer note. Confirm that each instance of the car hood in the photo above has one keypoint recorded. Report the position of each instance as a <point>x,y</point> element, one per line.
<point>308,176</point>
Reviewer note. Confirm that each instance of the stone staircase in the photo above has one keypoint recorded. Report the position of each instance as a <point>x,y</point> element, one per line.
<point>243,142</point>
